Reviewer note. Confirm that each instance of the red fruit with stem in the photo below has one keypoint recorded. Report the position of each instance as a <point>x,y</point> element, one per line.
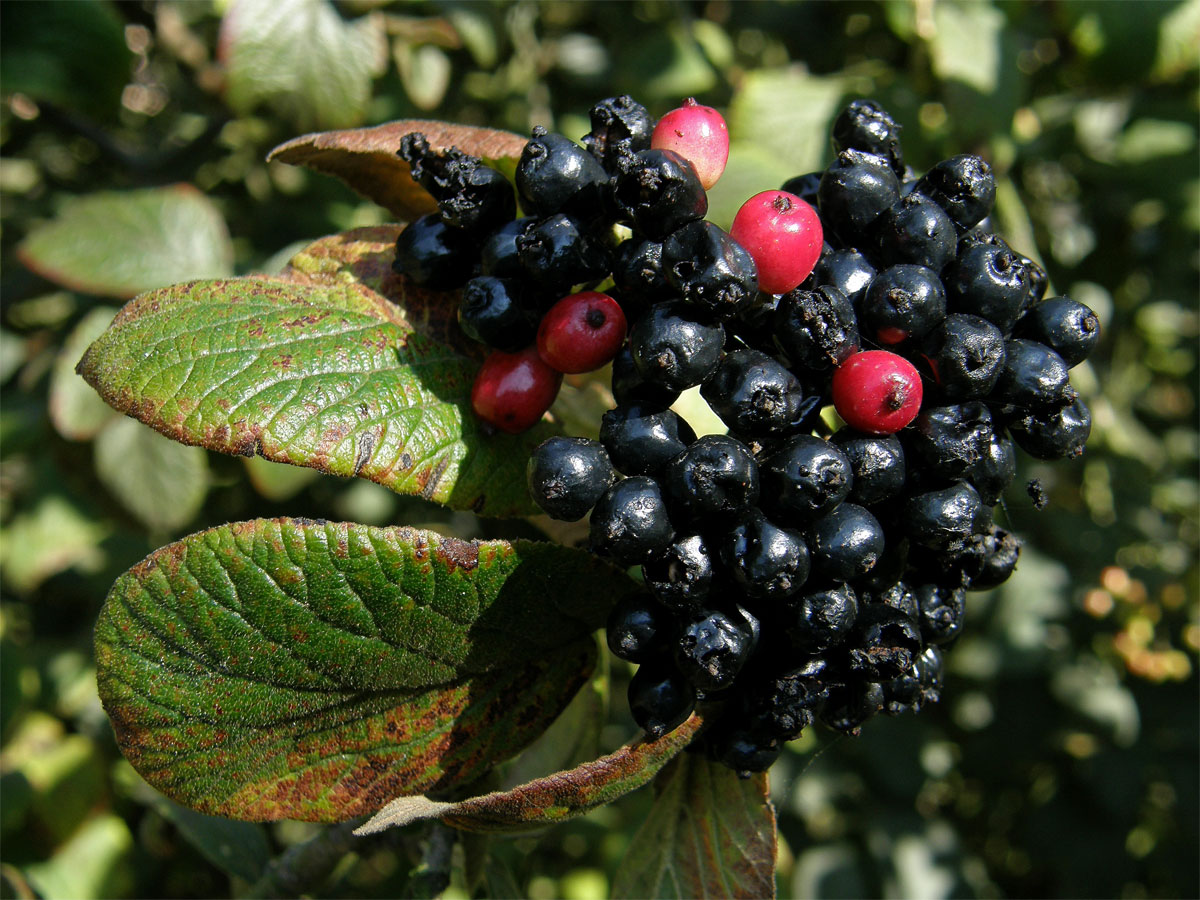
<point>513,390</point>
<point>877,392</point>
<point>783,234</point>
<point>698,134</point>
<point>582,332</point>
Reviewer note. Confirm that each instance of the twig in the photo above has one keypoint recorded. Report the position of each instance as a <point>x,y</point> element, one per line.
<point>303,867</point>
<point>432,877</point>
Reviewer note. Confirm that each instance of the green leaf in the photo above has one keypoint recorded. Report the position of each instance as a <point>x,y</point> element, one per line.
<point>365,158</point>
<point>119,243</point>
<point>42,54</point>
<point>965,45</point>
<point>238,848</point>
<point>162,483</point>
<point>709,834</point>
<point>786,114</point>
<point>50,538</point>
<point>548,800</point>
<point>75,410</point>
<point>301,58</point>
<point>96,862</point>
<point>341,366</point>
<point>312,670</point>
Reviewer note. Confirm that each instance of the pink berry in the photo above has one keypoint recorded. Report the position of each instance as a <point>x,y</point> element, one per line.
<point>582,332</point>
<point>877,392</point>
<point>698,134</point>
<point>783,234</point>
<point>513,390</point>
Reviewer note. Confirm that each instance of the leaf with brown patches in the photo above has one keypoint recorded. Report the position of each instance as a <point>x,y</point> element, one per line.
<point>310,670</point>
<point>365,158</point>
<point>339,365</point>
<point>709,834</point>
<point>548,800</point>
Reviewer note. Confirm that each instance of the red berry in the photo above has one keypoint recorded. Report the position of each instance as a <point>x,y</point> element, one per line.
<point>581,332</point>
<point>698,134</point>
<point>877,392</point>
<point>784,236</point>
<point>512,390</point>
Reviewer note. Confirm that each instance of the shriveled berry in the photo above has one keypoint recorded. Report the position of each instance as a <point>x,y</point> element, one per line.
<point>681,576</point>
<point>712,650</point>
<point>708,269</point>
<point>567,475</point>
<point>641,440</point>
<point>513,390</point>
<point>867,126</point>
<point>581,332</point>
<point>715,479</point>
<point>659,191</point>
<point>817,330</point>
<point>767,562</point>
<point>471,196</point>
<point>887,643</point>
<point>620,126</point>
<point>947,441</point>
<point>877,392</point>
<point>660,698</point>
<point>1064,325</point>
<point>1054,434</point>
<point>846,542</point>
<point>674,350</point>
<point>822,619</point>
<point>630,521</point>
<point>639,273</point>
<point>942,609</point>
<point>698,134</point>
<point>783,234</point>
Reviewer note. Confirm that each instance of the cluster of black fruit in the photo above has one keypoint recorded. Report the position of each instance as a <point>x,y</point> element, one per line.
<point>793,575</point>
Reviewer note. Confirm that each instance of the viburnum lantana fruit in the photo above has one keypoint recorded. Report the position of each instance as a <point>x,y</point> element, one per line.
<point>697,133</point>
<point>877,392</point>
<point>783,234</point>
<point>513,390</point>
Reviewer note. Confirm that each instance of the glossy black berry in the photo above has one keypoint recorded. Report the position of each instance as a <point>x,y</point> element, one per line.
<point>715,479</point>
<point>767,562</point>
<point>630,386</point>
<point>498,253</point>
<point>1053,434</point>
<point>746,752</point>
<point>639,628</point>
<point>434,255</point>
<point>822,619</point>
<point>847,270</point>
<point>804,479</point>
<point>630,521</point>
<point>641,440</point>
<point>997,555</point>
<point>712,650</point>
<point>755,395</point>
<point>877,464</point>
<point>556,175</point>
<point>816,330</point>
<point>942,609</point>
<point>918,687</point>
<point>846,542</point>
<point>558,252</point>
<point>947,441</point>
<point>867,126</point>
<point>491,312</point>
<point>914,230</point>
<point>963,186</point>
<point>672,349</point>
<point>851,704</point>
<point>989,281</point>
<point>1033,377</point>
<point>639,274</point>
<point>620,126</point>
<point>681,576</point>
<point>710,270</point>
<point>660,698</point>
<point>942,519</point>
<point>804,186</point>
<point>659,191</point>
<point>898,595</point>
<point>964,354</point>
<point>995,469</point>
<point>902,302</point>
<point>566,476</point>
<point>855,189</point>
<point>1064,325</point>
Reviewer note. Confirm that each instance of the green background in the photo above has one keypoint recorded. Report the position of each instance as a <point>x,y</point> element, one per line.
<point>1063,759</point>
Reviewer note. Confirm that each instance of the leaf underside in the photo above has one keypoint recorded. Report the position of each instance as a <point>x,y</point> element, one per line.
<point>310,670</point>
<point>340,365</point>
<point>709,834</point>
<point>551,799</point>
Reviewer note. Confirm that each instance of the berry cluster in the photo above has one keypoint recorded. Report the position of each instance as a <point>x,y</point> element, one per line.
<point>795,573</point>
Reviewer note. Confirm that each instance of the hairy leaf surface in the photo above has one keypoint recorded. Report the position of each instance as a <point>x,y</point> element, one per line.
<point>709,834</point>
<point>365,158</point>
<point>340,365</point>
<point>311,670</point>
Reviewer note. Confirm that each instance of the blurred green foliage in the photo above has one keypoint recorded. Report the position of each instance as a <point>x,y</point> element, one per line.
<point>1063,759</point>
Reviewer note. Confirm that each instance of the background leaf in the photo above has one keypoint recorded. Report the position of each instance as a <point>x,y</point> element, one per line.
<point>366,160</point>
<point>239,848</point>
<point>300,57</point>
<point>342,366</point>
<point>294,669</point>
<point>161,482</point>
<point>120,243</point>
<point>709,834</point>
<point>75,409</point>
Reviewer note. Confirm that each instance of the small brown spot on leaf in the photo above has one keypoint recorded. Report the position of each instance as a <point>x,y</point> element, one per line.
<point>458,554</point>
